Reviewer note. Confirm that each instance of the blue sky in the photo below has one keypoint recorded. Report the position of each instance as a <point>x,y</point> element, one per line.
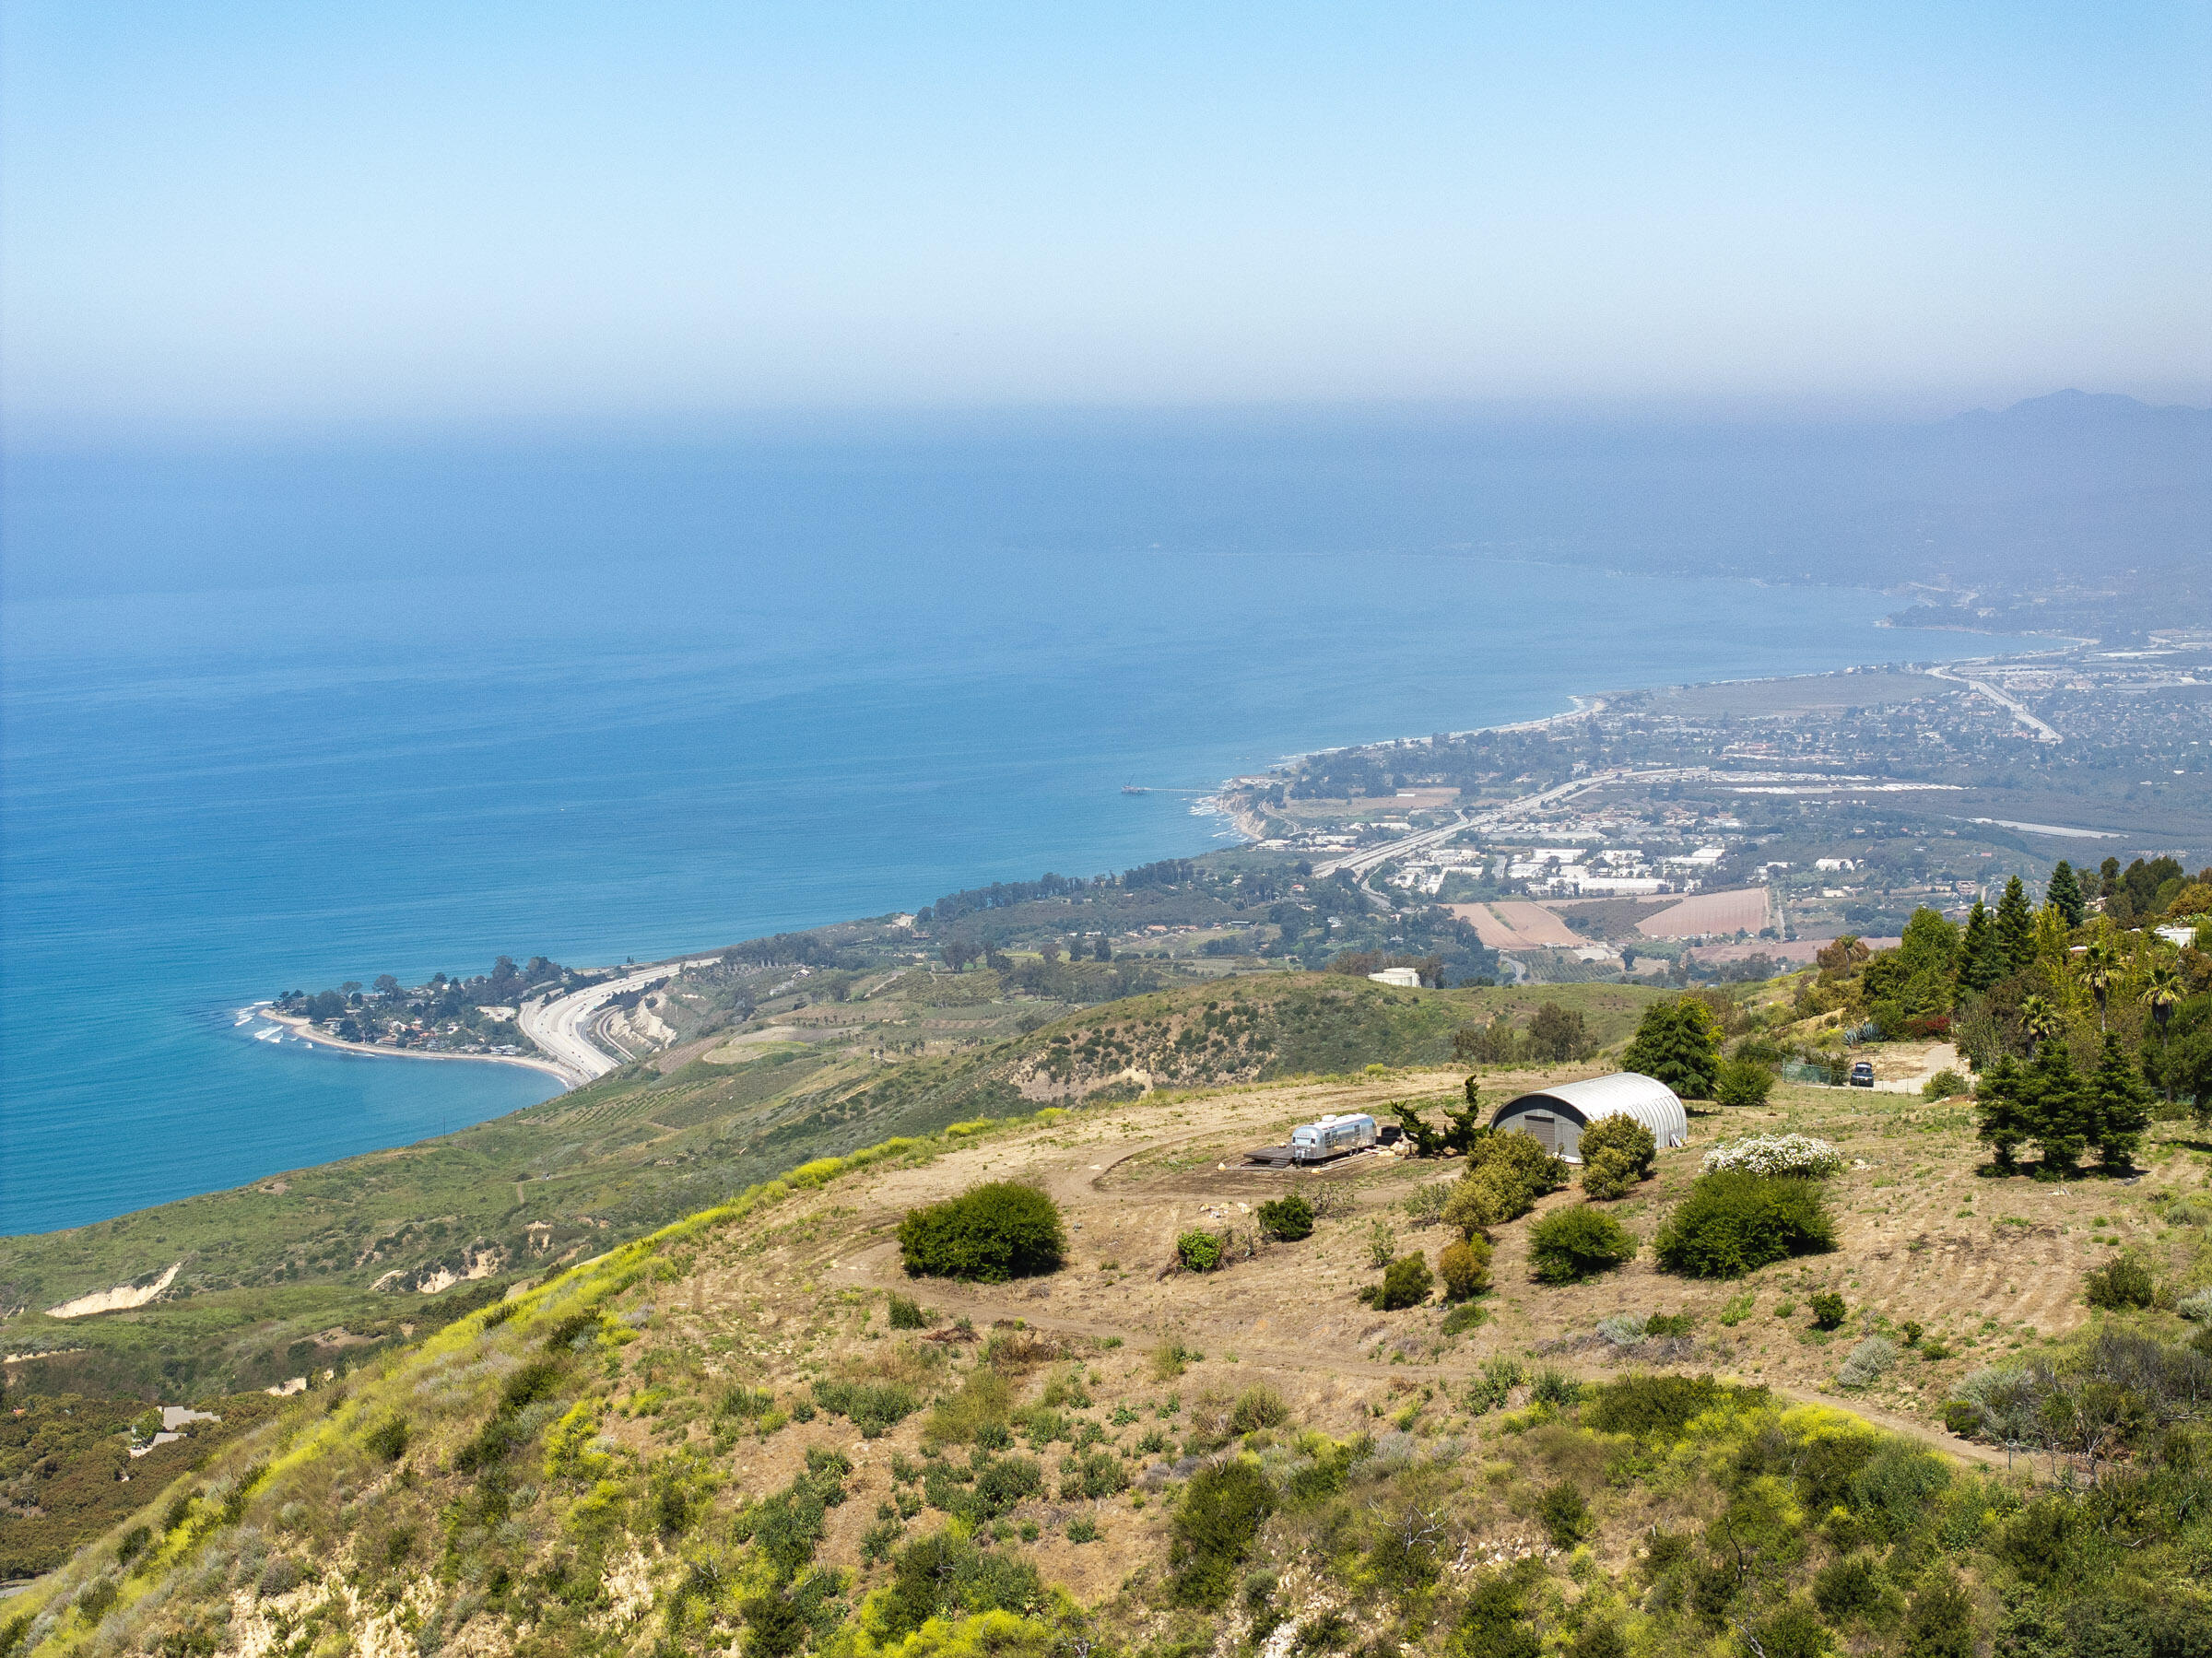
<point>223,213</point>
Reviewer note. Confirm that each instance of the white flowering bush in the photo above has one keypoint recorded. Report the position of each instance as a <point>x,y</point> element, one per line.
<point>1775,1154</point>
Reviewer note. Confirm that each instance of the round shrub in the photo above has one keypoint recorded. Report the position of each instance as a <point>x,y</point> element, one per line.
<point>1287,1220</point>
<point>1406,1282</point>
<point>1570,1245</point>
<point>1827,1309</point>
<point>1258,1408</point>
<point>1732,1223</point>
<point>1607,1174</point>
<point>1742,1082</point>
<point>2121,1283</point>
<point>1947,1083</point>
<point>1198,1252</point>
<point>1623,1134</point>
<point>990,1233</point>
<point>1465,1268</point>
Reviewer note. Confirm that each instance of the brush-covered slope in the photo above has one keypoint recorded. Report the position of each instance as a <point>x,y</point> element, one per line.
<point>749,1433</point>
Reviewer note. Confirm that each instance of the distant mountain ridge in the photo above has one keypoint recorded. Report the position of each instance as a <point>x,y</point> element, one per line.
<point>2074,408</point>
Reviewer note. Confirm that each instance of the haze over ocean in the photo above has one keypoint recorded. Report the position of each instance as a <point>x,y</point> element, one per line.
<point>384,712</point>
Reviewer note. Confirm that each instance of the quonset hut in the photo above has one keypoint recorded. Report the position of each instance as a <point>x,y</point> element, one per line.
<point>1556,1116</point>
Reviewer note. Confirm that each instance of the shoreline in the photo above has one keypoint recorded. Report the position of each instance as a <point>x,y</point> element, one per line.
<point>323,1039</point>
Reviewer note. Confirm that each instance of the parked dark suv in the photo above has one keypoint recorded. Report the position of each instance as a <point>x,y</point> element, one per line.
<point>1861,1075</point>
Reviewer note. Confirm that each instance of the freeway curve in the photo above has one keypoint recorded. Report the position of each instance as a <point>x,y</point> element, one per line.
<point>561,1026</point>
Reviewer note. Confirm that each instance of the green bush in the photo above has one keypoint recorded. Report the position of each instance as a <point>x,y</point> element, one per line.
<point>1626,1136</point>
<point>1505,1175</point>
<point>1563,1514</point>
<point>2121,1283</point>
<point>991,1233</point>
<point>1214,1529</point>
<point>1287,1220</point>
<point>1554,1386</point>
<point>1732,1223</point>
<point>1464,1267</point>
<point>1827,1309</point>
<point>873,1407</point>
<point>906,1313</point>
<point>1258,1408</point>
<point>388,1439</point>
<point>1570,1245</point>
<point>1198,1252</point>
<point>1655,1407</point>
<point>1945,1083</point>
<point>1406,1282</point>
<point>1742,1082</point>
<point>1848,1588</point>
<point>1607,1175</point>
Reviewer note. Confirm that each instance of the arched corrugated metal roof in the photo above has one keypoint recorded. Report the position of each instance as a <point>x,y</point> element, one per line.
<point>1623,1094</point>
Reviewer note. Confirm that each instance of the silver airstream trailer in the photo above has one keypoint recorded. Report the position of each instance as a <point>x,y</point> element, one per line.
<point>1330,1137</point>
<point>1555,1117</point>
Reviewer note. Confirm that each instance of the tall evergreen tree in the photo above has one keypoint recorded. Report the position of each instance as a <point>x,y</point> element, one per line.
<point>2000,1100</point>
<point>1677,1043</point>
<point>2066,892</point>
<point>2108,877</point>
<point>2057,1108</point>
<point>2015,928</point>
<point>2118,1106</point>
<point>1980,961</point>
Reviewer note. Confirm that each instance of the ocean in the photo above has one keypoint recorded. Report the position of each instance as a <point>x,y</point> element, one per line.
<point>275,718</point>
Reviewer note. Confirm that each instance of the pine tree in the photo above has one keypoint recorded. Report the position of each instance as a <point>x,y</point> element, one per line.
<point>1981,963</point>
<point>2118,1106</point>
<point>2057,1106</point>
<point>2015,928</point>
<point>2066,892</point>
<point>2000,1101</point>
<point>1677,1042</point>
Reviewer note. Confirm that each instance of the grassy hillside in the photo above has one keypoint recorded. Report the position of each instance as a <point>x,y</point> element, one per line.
<point>316,1269</point>
<point>730,1436</point>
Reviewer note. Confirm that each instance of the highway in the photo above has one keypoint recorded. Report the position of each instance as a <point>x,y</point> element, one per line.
<point>561,1028</point>
<point>2044,733</point>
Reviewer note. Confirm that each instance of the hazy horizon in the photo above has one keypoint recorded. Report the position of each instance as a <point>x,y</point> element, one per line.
<point>247,219</point>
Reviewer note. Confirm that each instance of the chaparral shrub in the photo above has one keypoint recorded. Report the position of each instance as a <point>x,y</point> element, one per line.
<point>1406,1282</point>
<point>1215,1527</point>
<point>1827,1309</point>
<point>1570,1245</point>
<point>1732,1223</point>
<point>1287,1220</point>
<point>1465,1268</point>
<point>1742,1083</point>
<point>1616,1152</point>
<point>990,1233</point>
<point>1505,1175</point>
<point>1198,1252</point>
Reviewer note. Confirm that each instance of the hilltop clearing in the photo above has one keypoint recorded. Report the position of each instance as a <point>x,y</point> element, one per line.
<point>754,1430</point>
<point>314,1269</point>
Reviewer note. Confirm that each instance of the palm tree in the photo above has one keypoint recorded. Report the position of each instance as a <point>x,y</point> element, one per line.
<point>2100,966</point>
<point>2039,1021</point>
<point>2164,991</point>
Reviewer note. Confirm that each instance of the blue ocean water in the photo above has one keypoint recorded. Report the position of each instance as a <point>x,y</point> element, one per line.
<point>279,721</point>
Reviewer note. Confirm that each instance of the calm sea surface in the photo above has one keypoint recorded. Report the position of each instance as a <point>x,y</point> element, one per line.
<point>280,722</point>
